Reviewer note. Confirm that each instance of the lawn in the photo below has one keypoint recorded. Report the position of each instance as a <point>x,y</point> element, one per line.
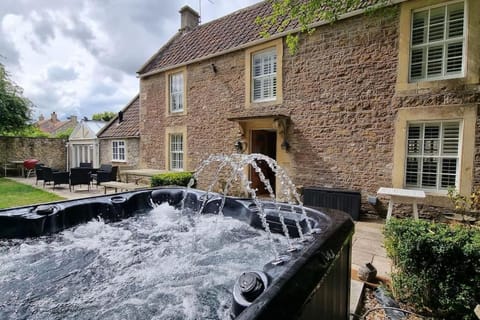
<point>17,194</point>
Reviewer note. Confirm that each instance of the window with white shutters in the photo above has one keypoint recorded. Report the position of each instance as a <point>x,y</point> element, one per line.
<point>437,42</point>
<point>432,155</point>
<point>264,76</point>
<point>176,152</point>
<point>118,150</point>
<point>176,92</point>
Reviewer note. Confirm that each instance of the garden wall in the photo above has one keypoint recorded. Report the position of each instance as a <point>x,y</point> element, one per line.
<point>50,151</point>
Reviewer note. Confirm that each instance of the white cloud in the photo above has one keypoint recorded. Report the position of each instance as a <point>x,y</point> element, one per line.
<point>80,57</point>
<point>57,73</point>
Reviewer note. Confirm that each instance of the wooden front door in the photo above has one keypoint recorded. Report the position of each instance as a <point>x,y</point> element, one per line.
<point>264,142</point>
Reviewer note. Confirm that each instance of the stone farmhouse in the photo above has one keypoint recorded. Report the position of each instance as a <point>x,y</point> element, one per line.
<point>382,99</point>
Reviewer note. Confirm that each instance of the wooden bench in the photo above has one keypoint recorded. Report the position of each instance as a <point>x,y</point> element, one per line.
<point>122,186</point>
<point>402,196</point>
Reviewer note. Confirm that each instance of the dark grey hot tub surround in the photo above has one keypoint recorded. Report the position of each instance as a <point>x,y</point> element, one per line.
<point>312,283</point>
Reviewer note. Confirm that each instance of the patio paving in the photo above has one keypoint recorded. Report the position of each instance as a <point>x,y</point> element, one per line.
<point>80,191</point>
<point>368,246</point>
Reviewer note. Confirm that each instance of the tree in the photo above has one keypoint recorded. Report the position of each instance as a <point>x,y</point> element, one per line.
<point>303,13</point>
<point>64,134</point>
<point>104,116</point>
<point>15,109</point>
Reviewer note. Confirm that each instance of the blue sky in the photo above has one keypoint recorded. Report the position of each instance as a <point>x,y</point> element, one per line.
<point>80,57</point>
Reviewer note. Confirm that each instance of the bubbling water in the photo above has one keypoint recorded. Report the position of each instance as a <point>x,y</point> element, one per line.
<point>155,265</point>
<point>235,165</point>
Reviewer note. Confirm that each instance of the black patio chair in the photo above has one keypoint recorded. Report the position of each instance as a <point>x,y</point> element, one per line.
<point>80,176</point>
<point>86,165</point>
<point>39,172</point>
<point>105,173</point>
<point>49,175</point>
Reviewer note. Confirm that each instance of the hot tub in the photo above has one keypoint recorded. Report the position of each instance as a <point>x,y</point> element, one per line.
<point>310,282</point>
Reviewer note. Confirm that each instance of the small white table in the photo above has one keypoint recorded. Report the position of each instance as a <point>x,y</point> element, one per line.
<point>402,196</point>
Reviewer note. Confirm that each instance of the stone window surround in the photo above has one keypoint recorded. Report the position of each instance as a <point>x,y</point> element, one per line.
<point>124,151</point>
<point>467,115</point>
<point>472,45</point>
<point>425,149</point>
<point>175,130</point>
<point>278,45</point>
<point>444,42</point>
<point>182,70</point>
<point>268,53</point>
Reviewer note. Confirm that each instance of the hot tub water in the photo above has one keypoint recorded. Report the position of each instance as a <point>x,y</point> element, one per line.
<point>155,265</point>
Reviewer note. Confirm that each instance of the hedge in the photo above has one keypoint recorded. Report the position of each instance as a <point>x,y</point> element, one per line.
<point>436,266</point>
<point>172,179</point>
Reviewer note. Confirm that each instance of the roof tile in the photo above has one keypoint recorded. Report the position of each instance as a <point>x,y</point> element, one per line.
<point>226,33</point>
<point>129,127</point>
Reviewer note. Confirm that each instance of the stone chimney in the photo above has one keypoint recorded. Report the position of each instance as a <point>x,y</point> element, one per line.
<point>53,117</point>
<point>190,18</point>
<point>41,118</point>
<point>73,119</point>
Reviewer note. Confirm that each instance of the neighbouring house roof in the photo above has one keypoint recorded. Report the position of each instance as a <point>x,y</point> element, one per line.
<point>86,129</point>
<point>229,33</point>
<point>128,127</point>
<point>53,125</point>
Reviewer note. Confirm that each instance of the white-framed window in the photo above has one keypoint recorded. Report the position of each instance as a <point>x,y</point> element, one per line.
<point>437,48</point>
<point>264,75</point>
<point>176,92</point>
<point>433,155</point>
<point>118,150</point>
<point>176,151</point>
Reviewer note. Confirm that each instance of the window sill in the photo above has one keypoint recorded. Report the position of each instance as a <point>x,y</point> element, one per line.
<point>120,161</point>
<point>426,86</point>
<point>265,103</point>
<point>177,114</point>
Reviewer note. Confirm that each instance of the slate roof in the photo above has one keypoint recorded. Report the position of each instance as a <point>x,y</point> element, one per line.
<point>227,33</point>
<point>129,127</point>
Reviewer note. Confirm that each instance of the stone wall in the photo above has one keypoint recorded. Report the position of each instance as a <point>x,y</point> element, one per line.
<point>339,91</point>
<point>211,98</point>
<point>50,151</point>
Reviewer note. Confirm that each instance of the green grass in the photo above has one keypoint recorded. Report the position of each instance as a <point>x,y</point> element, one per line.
<point>15,194</point>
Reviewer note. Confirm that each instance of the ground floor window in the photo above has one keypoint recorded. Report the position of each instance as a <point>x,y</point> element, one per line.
<point>432,160</point>
<point>176,151</point>
<point>118,150</point>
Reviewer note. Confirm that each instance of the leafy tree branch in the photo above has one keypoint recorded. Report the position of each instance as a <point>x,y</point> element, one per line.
<point>300,15</point>
<point>15,110</point>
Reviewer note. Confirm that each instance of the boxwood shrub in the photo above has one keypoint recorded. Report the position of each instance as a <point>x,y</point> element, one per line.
<point>436,266</point>
<point>172,179</point>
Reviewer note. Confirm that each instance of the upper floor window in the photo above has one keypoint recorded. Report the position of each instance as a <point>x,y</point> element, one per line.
<point>432,158</point>
<point>437,42</point>
<point>176,92</point>
<point>118,150</point>
<point>176,152</point>
<point>264,76</point>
